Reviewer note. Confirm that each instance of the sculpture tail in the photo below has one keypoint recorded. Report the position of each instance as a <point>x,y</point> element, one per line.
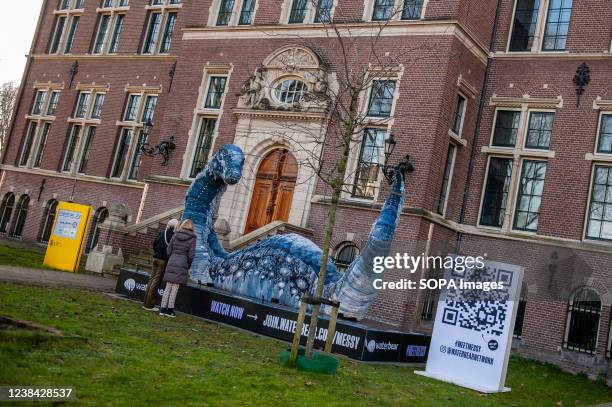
<point>355,291</point>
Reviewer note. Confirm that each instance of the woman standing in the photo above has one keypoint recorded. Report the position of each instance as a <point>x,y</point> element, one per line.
<point>181,252</point>
<point>160,258</point>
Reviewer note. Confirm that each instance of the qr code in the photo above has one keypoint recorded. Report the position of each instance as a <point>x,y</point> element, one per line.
<point>478,310</point>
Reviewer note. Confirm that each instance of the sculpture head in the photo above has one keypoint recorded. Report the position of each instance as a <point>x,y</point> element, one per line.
<point>227,163</point>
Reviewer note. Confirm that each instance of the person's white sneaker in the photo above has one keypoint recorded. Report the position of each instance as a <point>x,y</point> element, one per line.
<point>154,308</point>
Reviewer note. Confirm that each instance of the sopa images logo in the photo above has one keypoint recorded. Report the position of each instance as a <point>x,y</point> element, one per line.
<point>129,284</point>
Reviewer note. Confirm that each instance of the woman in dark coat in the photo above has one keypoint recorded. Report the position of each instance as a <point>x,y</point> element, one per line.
<point>181,252</point>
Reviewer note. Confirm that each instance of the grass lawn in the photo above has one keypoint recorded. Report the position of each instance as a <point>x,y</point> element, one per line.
<point>116,353</point>
<point>13,256</point>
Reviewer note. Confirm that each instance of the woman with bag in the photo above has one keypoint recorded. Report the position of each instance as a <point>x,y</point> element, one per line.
<point>181,252</point>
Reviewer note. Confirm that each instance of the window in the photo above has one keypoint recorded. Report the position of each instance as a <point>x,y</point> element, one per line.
<point>531,187</point>
<point>525,22</point>
<point>246,13</point>
<point>96,111</point>
<point>539,132</point>
<point>71,147</point>
<point>110,27</point>
<point>139,109</point>
<point>381,98</point>
<point>160,26</point>
<point>47,222</point>
<point>520,313</point>
<point>383,10</point>
<point>540,25</point>
<point>214,96</point>
<point>82,105</point>
<point>557,25</point>
<point>41,144</point>
<point>599,218</point>
<point>506,128</point>
<point>6,210</point>
<point>412,9</point>
<point>225,12</point>
<point>604,143</point>
<point>290,91</point>
<point>99,217</point>
<point>583,321</point>
<point>71,35</point>
<point>27,144</point>
<point>114,44</point>
<point>458,116</point>
<point>39,102</point>
<point>497,186</point>
<point>102,31</point>
<point>371,158</point>
<point>203,146</point>
<point>84,158</point>
<point>115,3</point>
<point>60,23</point>
<point>446,180</point>
<point>298,11</point>
<point>20,215</point>
<point>431,296</point>
<point>323,11</point>
<point>121,153</point>
<point>53,101</point>
<point>345,254</point>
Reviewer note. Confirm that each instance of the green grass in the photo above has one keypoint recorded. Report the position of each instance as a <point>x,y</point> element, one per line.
<point>118,354</point>
<point>12,256</point>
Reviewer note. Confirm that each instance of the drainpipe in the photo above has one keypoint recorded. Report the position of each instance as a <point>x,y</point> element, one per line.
<point>485,85</point>
<point>26,73</point>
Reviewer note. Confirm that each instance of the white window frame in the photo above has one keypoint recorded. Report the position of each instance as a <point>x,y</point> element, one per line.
<point>538,40</point>
<point>460,133</point>
<point>136,127</point>
<point>309,17</point>
<point>585,226</point>
<point>69,13</point>
<point>602,113</point>
<point>518,154</point>
<point>113,12</point>
<point>41,118</point>
<point>213,14</point>
<point>164,9</point>
<point>199,112</point>
<point>450,178</point>
<point>368,10</point>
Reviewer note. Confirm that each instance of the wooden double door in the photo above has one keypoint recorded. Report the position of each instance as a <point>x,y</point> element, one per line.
<point>273,190</point>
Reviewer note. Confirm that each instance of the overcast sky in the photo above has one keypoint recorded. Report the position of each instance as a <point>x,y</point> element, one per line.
<point>17,24</point>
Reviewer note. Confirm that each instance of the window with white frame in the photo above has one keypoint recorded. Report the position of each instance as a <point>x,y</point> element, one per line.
<point>139,110</point>
<point>459,115</point>
<point>604,138</point>
<point>67,18</point>
<point>232,12</point>
<point>215,83</point>
<point>380,102</point>
<point>516,171</point>
<point>307,11</point>
<point>371,157</point>
<point>599,216</point>
<point>385,10</point>
<point>40,118</point>
<point>83,125</point>
<point>446,179</point>
<point>160,27</point>
<point>111,23</point>
<point>540,25</point>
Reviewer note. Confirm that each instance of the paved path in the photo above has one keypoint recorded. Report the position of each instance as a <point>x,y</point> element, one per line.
<point>50,278</point>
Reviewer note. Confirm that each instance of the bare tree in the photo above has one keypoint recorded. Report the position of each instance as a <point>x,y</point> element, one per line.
<point>356,63</point>
<point>8,98</point>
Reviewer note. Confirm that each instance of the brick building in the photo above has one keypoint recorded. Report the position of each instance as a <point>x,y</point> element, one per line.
<point>505,107</point>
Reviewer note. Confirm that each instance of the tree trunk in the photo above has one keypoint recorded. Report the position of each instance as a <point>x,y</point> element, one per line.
<point>336,184</point>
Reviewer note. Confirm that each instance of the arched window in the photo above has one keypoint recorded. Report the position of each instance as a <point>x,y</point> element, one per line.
<point>290,91</point>
<point>47,221</point>
<point>6,210</point>
<point>345,254</point>
<point>520,312</point>
<point>98,218</point>
<point>20,215</point>
<point>583,321</point>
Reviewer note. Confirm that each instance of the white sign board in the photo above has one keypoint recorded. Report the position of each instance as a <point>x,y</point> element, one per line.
<point>67,224</point>
<point>472,334</point>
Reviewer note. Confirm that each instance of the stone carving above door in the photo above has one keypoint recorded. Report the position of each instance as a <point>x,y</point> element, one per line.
<point>291,79</point>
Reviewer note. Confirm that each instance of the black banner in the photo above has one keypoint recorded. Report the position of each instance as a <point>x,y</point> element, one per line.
<point>354,340</point>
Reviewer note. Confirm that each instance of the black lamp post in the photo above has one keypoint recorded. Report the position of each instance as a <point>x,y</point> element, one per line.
<point>404,166</point>
<point>163,148</point>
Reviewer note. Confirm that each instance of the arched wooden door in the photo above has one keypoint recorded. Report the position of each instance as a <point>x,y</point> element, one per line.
<point>273,191</point>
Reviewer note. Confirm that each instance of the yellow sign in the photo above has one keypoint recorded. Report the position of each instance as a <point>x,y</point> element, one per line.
<point>67,236</point>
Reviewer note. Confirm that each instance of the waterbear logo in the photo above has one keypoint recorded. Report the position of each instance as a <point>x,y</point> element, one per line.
<point>129,284</point>
<point>372,345</point>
